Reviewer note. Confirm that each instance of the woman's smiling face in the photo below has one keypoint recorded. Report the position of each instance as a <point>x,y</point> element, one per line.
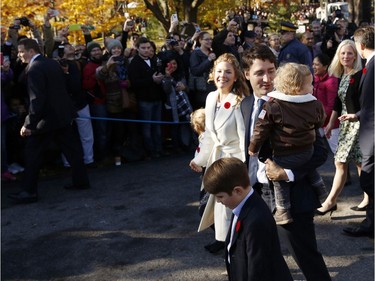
<point>224,76</point>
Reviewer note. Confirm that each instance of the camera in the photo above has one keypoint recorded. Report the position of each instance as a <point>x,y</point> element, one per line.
<point>173,42</point>
<point>330,30</point>
<point>63,62</point>
<point>60,51</point>
<point>159,66</point>
<point>24,21</point>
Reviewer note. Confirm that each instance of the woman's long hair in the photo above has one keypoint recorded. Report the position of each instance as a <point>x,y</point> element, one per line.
<point>240,87</point>
<point>336,68</point>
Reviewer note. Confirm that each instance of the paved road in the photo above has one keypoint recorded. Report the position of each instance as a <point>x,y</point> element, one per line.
<point>138,222</point>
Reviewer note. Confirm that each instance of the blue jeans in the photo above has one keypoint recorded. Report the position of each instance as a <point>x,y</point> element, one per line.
<point>100,130</point>
<point>151,132</point>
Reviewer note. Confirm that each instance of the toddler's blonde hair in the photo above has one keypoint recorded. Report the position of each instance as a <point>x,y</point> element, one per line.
<point>290,78</point>
<point>198,120</point>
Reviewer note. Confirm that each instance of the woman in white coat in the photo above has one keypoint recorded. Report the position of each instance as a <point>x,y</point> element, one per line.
<point>224,137</point>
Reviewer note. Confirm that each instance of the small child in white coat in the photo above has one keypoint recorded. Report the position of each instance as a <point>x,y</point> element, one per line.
<point>197,121</point>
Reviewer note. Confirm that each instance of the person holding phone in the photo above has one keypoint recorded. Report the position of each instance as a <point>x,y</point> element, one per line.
<point>201,62</point>
<point>114,74</point>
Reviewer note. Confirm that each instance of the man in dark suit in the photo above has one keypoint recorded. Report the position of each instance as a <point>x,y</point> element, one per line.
<point>259,66</point>
<point>252,246</point>
<point>364,41</point>
<point>50,117</point>
<point>145,79</point>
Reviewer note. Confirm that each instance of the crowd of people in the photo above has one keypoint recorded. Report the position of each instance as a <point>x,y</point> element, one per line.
<point>131,100</point>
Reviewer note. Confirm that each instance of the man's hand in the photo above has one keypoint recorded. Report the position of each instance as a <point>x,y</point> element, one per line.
<point>274,172</point>
<point>252,153</point>
<point>25,132</point>
<point>157,77</point>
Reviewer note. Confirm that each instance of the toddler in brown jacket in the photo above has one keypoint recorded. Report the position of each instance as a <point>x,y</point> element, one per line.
<point>289,120</point>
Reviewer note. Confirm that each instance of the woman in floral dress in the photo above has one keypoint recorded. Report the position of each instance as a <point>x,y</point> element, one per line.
<point>347,66</point>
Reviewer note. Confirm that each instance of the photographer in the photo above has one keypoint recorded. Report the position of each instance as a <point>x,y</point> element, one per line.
<point>175,44</point>
<point>9,47</point>
<point>226,41</point>
<point>334,35</point>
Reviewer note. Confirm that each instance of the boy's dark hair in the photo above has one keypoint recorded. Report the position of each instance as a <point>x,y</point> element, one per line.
<point>30,44</point>
<point>225,174</point>
<point>261,52</point>
<point>141,40</point>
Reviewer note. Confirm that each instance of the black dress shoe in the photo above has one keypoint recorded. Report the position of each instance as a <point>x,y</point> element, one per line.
<point>76,187</point>
<point>91,165</point>
<point>359,209</point>
<point>215,247</point>
<point>23,197</point>
<point>358,231</point>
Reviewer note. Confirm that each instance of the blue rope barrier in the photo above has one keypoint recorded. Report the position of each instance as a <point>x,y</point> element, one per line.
<point>134,121</point>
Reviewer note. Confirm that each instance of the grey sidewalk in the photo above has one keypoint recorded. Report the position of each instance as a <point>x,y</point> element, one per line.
<point>139,221</point>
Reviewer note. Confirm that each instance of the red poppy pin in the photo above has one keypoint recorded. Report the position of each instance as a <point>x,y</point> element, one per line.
<point>364,70</point>
<point>238,226</point>
<point>227,105</point>
<point>198,149</point>
<point>351,81</point>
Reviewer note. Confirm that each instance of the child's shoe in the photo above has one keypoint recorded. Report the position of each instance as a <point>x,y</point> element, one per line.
<point>117,161</point>
<point>283,216</point>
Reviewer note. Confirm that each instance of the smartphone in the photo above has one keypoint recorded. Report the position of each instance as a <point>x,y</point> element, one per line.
<point>197,28</point>
<point>53,13</point>
<point>174,17</point>
<point>6,59</point>
<point>126,15</point>
<point>74,27</point>
<point>130,23</point>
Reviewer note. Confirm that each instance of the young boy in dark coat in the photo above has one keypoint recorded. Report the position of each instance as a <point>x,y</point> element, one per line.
<point>252,246</point>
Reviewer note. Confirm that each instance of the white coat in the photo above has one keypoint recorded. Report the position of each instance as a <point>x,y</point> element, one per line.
<point>224,137</point>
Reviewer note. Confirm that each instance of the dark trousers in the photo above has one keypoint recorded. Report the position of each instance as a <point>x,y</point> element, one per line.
<point>300,240</point>
<point>70,144</point>
<point>367,184</point>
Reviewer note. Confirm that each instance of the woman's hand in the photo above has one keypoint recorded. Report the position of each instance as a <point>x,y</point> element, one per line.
<point>348,117</point>
<point>111,62</point>
<point>327,131</point>
<point>195,167</point>
<point>180,86</point>
<point>211,56</point>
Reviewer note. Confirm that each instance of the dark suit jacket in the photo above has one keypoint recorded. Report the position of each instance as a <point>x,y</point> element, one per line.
<point>51,107</point>
<point>303,198</point>
<point>255,253</point>
<point>140,75</point>
<point>366,114</point>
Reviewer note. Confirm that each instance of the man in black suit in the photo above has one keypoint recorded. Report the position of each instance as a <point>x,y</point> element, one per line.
<point>364,41</point>
<point>252,246</point>
<point>259,66</point>
<point>51,114</point>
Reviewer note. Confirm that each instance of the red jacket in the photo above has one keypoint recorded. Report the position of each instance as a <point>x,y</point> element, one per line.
<point>90,84</point>
<point>325,90</point>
